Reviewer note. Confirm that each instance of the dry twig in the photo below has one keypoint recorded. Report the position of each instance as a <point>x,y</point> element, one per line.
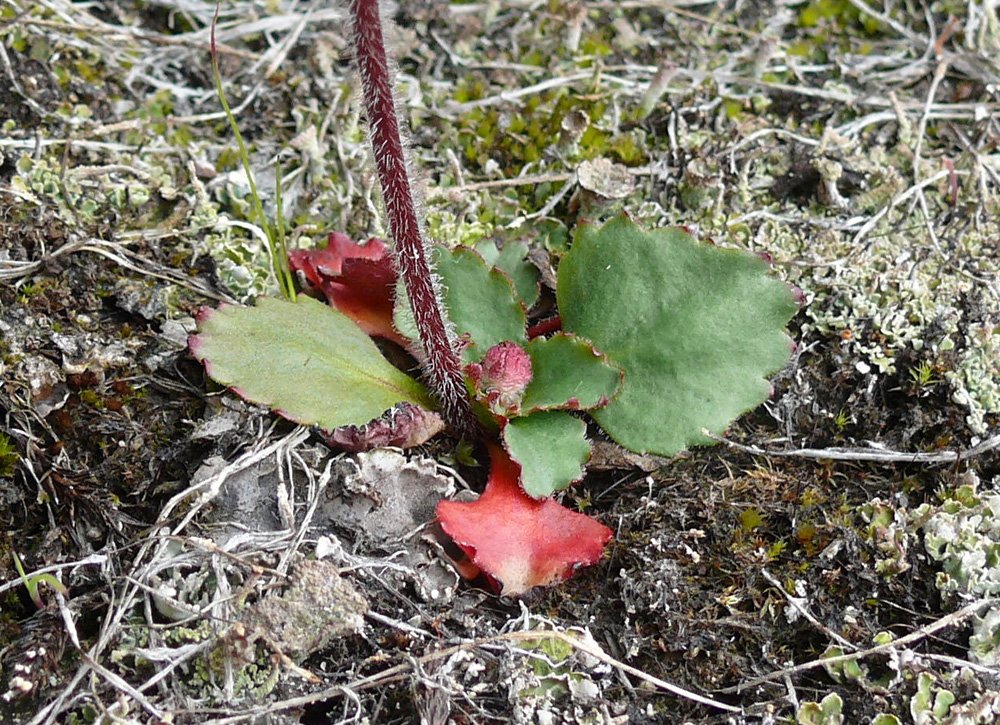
<point>873,455</point>
<point>948,620</point>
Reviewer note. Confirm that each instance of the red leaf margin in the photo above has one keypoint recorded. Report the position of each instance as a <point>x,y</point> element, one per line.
<point>519,541</point>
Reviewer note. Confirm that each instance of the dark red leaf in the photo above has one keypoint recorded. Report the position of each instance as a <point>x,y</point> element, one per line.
<point>359,280</point>
<point>404,426</point>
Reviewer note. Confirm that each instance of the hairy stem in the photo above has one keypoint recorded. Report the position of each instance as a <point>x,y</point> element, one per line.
<point>443,364</point>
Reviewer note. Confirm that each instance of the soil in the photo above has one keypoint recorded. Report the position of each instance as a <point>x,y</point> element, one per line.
<point>197,559</point>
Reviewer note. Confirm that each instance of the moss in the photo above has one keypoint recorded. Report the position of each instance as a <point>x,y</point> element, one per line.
<point>548,126</point>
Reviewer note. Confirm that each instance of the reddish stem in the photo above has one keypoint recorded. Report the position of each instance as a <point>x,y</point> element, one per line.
<point>443,364</point>
<point>544,327</point>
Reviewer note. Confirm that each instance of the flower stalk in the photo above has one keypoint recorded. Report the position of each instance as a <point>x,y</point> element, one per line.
<point>412,252</point>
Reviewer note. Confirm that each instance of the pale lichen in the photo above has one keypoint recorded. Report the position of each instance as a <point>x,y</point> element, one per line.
<point>963,535</point>
<point>901,291</point>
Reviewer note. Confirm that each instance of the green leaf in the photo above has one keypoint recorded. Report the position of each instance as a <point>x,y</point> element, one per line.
<point>31,582</point>
<point>551,447</point>
<point>275,234</point>
<point>696,329</point>
<point>402,315</point>
<point>306,360</point>
<point>927,702</point>
<point>513,261</point>
<point>568,372</point>
<point>843,670</point>
<point>480,301</point>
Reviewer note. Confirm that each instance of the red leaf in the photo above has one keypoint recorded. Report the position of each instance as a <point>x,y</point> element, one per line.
<point>520,541</point>
<point>358,280</point>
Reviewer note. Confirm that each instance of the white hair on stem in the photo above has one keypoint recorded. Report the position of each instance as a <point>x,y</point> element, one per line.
<point>442,363</point>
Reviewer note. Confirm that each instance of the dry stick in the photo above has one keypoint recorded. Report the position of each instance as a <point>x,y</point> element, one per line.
<point>119,254</point>
<point>958,663</point>
<point>506,96</point>
<point>533,180</point>
<point>89,662</point>
<point>187,652</point>
<point>892,204</point>
<point>412,253</point>
<point>12,79</point>
<point>194,40</point>
<point>318,488</point>
<point>943,623</point>
<point>859,454</point>
<point>607,659</point>
<point>674,9</point>
<point>92,560</point>
<point>939,110</point>
<point>925,114</point>
<point>100,248</point>
<point>921,198</point>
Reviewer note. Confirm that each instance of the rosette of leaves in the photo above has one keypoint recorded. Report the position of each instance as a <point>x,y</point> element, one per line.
<point>662,337</point>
